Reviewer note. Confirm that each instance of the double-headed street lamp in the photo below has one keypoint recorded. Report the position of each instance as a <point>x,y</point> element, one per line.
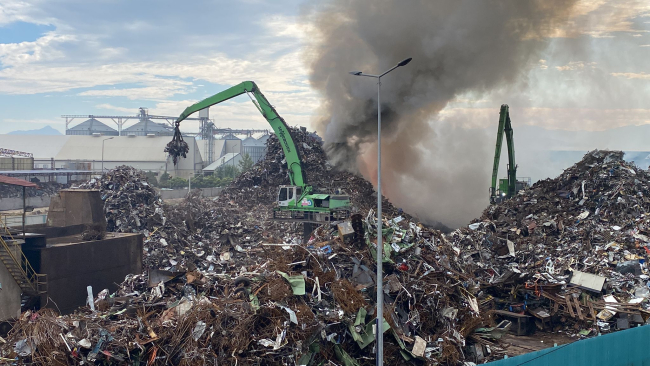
<point>379,336</point>
<point>104,140</point>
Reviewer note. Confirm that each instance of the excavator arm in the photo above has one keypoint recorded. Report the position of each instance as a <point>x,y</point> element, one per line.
<point>296,175</point>
<point>505,128</point>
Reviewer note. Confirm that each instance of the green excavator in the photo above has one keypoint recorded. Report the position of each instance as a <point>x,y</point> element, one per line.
<point>298,201</point>
<point>509,186</point>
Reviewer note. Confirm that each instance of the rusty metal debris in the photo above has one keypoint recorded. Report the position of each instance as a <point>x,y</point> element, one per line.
<point>44,189</point>
<point>177,147</point>
<point>226,285</point>
<point>131,204</point>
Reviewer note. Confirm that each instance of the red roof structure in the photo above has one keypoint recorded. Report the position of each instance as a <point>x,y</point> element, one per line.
<point>16,182</point>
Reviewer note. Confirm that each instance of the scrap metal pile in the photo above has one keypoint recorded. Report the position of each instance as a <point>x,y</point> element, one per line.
<point>44,189</point>
<point>568,251</point>
<point>225,285</point>
<point>259,185</point>
<point>272,303</point>
<point>131,204</point>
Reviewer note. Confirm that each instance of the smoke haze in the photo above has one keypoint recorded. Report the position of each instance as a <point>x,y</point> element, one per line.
<point>437,171</point>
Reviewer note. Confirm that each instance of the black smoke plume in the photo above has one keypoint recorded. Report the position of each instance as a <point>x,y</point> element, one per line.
<point>437,171</point>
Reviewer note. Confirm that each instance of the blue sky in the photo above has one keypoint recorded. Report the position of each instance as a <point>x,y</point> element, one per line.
<point>111,57</point>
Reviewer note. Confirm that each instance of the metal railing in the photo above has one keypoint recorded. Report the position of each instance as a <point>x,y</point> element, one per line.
<point>14,220</point>
<point>37,282</point>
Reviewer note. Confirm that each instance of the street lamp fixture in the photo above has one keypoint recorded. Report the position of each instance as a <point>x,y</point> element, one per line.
<point>104,140</point>
<point>379,336</point>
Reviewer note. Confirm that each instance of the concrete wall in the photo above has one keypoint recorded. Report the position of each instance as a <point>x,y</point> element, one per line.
<point>70,268</point>
<point>75,207</point>
<point>9,294</point>
<point>181,193</point>
<point>16,203</point>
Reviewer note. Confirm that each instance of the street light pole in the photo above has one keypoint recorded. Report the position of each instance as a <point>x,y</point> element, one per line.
<point>104,140</point>
<point>379,336</point>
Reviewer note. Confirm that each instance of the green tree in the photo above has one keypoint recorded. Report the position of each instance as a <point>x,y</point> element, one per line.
<point>152,179</point>
<point>177,182</point>
<point>245,163</point>
<point>209,181</point>
<point>227,171</point>
<point>164,178</point>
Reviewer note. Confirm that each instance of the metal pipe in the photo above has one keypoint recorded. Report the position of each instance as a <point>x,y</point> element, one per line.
<point>380,239</point>
<point>104,140</point>
<point>379,336</point>
<point>24,209</point>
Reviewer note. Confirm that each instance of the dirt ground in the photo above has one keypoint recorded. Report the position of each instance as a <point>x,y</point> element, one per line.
<point>519,345</point>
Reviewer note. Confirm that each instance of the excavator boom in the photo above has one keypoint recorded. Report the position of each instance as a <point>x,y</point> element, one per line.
<point>505,128</point>
<point>296,202</point>
<point>280,128</point>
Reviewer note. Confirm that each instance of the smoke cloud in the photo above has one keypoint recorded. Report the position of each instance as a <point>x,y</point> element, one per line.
<point>435,170</point>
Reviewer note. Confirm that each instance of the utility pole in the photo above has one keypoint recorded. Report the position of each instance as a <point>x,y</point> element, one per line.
<point>379,337</point>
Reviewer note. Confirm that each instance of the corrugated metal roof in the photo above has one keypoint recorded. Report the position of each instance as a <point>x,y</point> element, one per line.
<point>148,126</point>
<point>230,158</point>
<point>250,141</point>
<point>92,125</point>
<point>16,182</point>
<point>264,138</point>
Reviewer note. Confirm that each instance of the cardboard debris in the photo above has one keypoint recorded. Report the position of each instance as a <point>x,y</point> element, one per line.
<point>587,281</point>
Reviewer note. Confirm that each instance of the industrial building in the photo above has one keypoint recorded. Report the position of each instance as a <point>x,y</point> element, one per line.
<point>226,146</point>
<point>254,147</point>
<point>227,159</point>
<point>215,143</point>
<point>91,127</point>
<point>51,265</point>
<point>148,128</point>
<point>95,153</point>
<point>145,127</point>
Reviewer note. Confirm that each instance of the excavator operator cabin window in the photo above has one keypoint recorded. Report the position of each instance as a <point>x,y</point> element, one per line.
<point>283,194</point>
<point>290,193</point>
<point>298,192</point>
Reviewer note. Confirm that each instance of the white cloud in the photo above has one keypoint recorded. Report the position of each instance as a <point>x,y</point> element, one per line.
<point>601,18</point>
<point>43,49</point>
<point>131,111</point>
<point>146,93</point>
<point>576,65</point>
<point>632,75</point>
<point>14,11</point>
<point>543,65</point>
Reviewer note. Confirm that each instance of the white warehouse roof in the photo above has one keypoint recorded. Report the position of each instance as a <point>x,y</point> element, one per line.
<point>41,146</point>
<point>88,148</point>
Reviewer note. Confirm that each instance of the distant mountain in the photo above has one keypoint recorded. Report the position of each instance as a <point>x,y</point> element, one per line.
<point>47,130</point>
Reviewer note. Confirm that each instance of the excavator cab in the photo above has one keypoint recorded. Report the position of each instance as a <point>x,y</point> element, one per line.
<point>288,195</point>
